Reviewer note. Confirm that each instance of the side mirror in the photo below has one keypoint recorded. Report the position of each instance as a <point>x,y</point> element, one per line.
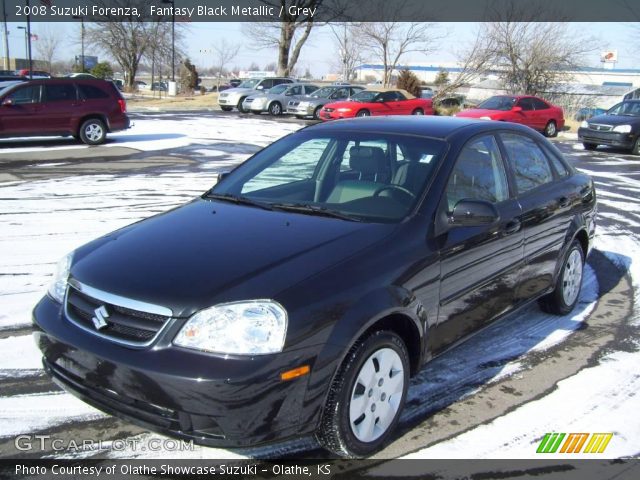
<point>259,87</point>
<point>222,176</point>
<point>516,109</point>
<point>473,213</point>
<point>7,102</point>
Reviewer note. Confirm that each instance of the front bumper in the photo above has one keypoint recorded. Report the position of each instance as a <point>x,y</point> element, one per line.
<point>211,399</point>
<point>301,111</point>
<point>230,101</point>
<point>335,115</point>
<point>614,139</point>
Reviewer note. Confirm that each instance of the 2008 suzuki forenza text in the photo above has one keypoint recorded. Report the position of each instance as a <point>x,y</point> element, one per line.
<point>300,293</point>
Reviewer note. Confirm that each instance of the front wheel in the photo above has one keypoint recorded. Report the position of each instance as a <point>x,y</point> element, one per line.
<point>226,109</point>
<point>418,111</point>
<point>239,106</point>
<point>275,109</point>
<point>551,130</point>
<point>316,112</point>
<point>93,131</point>
<point>589,146</point>
<point>567,290</point>
<point>636,147</point>
<point>363,113</point>
<point>366,396</point>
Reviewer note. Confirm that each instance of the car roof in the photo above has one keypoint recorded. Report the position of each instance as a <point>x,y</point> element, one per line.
<point>423,126</point>
<point>387,89</point>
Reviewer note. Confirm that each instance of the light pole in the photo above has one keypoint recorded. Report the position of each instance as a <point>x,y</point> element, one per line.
<point>6,36</point>
<point>26,48</point>
<point>173,38</point>
<point>81,18</point>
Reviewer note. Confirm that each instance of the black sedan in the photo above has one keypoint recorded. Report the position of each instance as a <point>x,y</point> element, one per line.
<point>618,127</point>
<point>300,293</point>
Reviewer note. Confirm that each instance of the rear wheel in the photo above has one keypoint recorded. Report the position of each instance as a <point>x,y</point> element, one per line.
<point>418,111</point>
<point>93,131</point>
<point>363,113</point>
<point>589,146</point>
<point>275,109</point>
<point>565,295</point>
<point>366,396</point>
<point>551,130</point>
<point>316,112</point>
<point>226,109</point>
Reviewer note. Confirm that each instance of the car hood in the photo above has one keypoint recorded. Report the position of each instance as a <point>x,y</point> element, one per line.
<point>345,104</point>
<point>480,112</point>
<point>208,252</point>
<point>614,120</point>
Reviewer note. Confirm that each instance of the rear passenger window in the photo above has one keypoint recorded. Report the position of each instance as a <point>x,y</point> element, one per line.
<point>530,165</point>
<point>89,92</point>
<point>60,93</point>
<point>479,174</point>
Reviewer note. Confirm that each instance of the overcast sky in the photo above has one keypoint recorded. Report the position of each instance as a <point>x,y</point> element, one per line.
<point>319,54</point>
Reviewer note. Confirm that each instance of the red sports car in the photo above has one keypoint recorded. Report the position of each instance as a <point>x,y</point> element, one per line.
<point>378,102</point>
<point>531,111</point>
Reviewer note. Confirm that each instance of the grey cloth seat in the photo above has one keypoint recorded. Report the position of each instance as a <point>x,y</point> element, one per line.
<point>373,168</point>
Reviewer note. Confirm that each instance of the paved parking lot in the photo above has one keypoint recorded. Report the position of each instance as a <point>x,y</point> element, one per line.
<point>492,397</point>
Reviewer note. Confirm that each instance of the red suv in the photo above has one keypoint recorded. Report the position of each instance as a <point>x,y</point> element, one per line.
<point>86,109</point>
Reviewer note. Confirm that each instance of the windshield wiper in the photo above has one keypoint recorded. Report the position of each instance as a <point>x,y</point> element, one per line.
<point>239,200</point>
<point>313,210</point>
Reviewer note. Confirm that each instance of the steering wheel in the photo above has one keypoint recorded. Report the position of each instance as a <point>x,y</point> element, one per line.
<point>394,187</point>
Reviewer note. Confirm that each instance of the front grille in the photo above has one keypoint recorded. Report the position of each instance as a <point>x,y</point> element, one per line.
<point>293,103</point>
<point>600,127</point>
<point>122,323</point>
<point>248,100</point>
<point>224,95</point>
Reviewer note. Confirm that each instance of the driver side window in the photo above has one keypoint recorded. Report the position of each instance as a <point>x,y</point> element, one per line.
<point>479,174</point>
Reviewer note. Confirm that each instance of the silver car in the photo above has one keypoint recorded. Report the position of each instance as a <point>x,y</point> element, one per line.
<point>233,97</point>
<point>310,105</point>
<point>274,100</point>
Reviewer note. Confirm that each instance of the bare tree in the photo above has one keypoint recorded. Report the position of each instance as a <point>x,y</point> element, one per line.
<point>287,35</point>
<point>224,52</point>
<point>48,44</point>
<point>348,48</point>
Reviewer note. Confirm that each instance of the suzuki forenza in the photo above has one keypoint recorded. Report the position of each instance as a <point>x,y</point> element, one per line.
<point>300,293</point>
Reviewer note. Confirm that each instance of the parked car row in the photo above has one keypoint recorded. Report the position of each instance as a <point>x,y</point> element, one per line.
<point>84,108</point>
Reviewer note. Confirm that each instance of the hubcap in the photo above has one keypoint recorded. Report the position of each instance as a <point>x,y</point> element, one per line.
<point>572,277</point>
<point>376,395</point>
<point>418,112</point>
<point>275,109</point>
<point>551,129</point>
<point>93,132</point>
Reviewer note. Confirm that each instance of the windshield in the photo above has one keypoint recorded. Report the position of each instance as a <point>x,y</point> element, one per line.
<point>278,89</point>
<point>323,92</point>
<point>364,96</point>
<point>498,103</point>
<point>353,176</point>
<point>252,82</point>
<point>630,109</point>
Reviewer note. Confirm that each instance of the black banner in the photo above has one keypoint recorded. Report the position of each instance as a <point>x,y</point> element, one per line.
<point>322,10</point>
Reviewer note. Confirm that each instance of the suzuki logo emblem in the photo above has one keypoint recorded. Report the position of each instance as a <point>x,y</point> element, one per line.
<point>100,317</point>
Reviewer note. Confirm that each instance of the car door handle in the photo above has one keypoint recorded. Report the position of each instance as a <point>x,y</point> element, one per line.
<point>563,202</point>
<point>512,227</point>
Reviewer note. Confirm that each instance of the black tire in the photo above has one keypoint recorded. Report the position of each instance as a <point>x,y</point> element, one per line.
<point>590,146</point>
<point>566,293</point>
<point>418,111</point>
<point>316,112</point>
<point>240,108</point>
<point>551,129</point>
<point>336,433</point>
<point>226,109</point>
<point>636,147</point>
<point>363,113</point>
<point>275,109</point>
<point>93,131</point>
<point>300,117</point>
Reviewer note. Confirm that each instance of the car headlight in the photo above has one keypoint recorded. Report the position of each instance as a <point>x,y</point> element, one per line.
<point>343,110</point>
<point>485,118</point>
<point>622,129</point>
<point>584,124</point>
<point>253,327</point>
<point>58,286</point>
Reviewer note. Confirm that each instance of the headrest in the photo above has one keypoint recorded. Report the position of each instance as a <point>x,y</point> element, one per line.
<point>368,160</point>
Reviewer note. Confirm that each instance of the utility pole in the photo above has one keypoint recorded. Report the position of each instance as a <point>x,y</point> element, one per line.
<point>5,34</point>
<point>29,41</point>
